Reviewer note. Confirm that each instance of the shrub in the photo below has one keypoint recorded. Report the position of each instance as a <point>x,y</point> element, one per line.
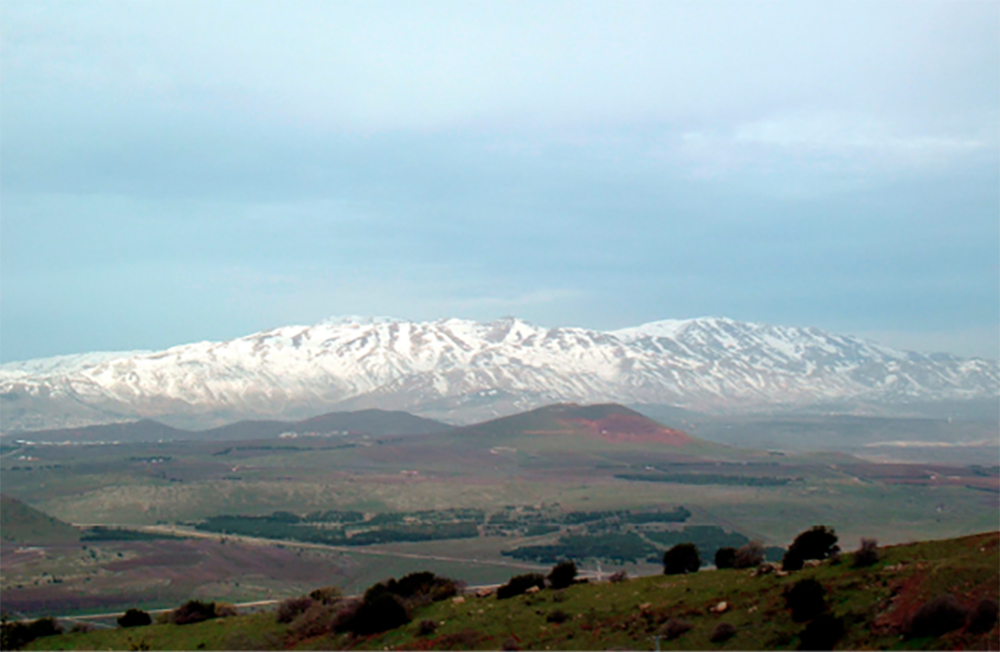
<point>805,599</point>
<point>14,635</point>
<point>938,616</point>
<point>723,632</point>
<point>818,542</point>
<point>682,558</point>
<point>675,628</point>
<point>326,594</point>
<point>316,620</point>
<point>193,611</point>
<point>379,613</point>
<point>135,618</point>
<point>225,610</point>
<point>81,628</point>
<point>791,561</point>
<point>518,584</point>
<point>510,644</point>
<point>417,588</point>
<point>867,554</point>
<point>290,609</point>
<point>984,616</point>
<point>618,577</point>
<point>562,575</point>
<point>725,558</point>
<point>822,633</point>
<point>426,627</point>
<point>343,616</point>
<point>749,556</point>
<point>557,616</point>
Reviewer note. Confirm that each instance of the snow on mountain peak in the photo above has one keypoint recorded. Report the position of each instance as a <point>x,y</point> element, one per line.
<point>350,362</point>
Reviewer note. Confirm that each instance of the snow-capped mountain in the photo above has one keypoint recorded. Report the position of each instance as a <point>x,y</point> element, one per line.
<point>461,370</point>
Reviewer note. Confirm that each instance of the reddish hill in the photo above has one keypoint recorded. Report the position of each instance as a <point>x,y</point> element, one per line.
<point>609,422</point>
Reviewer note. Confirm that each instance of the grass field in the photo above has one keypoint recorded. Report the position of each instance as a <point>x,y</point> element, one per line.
<point>874,604</point>
<point>560,464</point>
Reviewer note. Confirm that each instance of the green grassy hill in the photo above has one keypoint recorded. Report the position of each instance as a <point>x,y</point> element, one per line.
<point>874,606</point>
<point>22,524</point>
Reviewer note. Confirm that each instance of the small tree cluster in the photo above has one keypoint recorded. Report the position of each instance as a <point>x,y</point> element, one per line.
<point>291,608</point>
<point>562,575</point>
<point>134,618</point>
<point>680,559</point>
<point>193,611</point>
<point>945,614</point>
<point>938,616</point>
<point>725,558</point>
<point>867,554</point>
<point>984,616</point>
<point>818,542</point>
<point>518,584</point>
<point>15,635</point>
<point>805,599</point>
<point>749,556</point>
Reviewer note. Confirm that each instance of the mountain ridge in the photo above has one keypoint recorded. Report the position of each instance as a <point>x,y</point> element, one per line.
<point>461,370</point>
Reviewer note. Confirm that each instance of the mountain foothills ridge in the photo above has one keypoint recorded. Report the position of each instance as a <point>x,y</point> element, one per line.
<point>462,371</point>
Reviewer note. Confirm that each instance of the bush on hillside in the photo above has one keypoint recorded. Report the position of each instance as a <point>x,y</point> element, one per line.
<point>420,587</point>
<point>518,584</point>
<point>805,599</point>
<point>937,617</point>
<point>984,616</point>
<point>725,558</point>
<point>675,628</point>
<point>750,555</point>
<point>562,575</point>
<point>618,577</point>
<point>193,611</point>
<point>426,627</point>
<point>290,609</point>
<point>867,554</point>
<point>822,633</point>
<point>326,594</point>
<point>723,632</point>
<point>791,561</point>
<point>377,613</point>
<point>15,635</point>
<point>557,616</point>
<point>818,542</point>
<point>135,618</point>
<point>316,620</point>
<point>682,558</point>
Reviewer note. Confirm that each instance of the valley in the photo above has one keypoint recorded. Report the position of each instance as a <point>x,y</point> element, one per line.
<point>241,520</point>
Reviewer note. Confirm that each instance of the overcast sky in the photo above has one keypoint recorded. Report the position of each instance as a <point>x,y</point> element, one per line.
<point>181,171</point>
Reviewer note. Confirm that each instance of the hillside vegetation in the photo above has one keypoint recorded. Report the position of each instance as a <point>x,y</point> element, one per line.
<point>929,595</point>
<point>20,523</point>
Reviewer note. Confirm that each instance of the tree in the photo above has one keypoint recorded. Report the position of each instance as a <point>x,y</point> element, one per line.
<point>682,558</point>
<point>818,542</point>
<point>805,599</point>
<point>134,618</point>
<point>519,584</point>
<point>749,556</point>
<point>725,558</point>
<point>562,575</point>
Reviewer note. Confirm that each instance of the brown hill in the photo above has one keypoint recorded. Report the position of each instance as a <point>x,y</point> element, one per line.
<point>20,523</point>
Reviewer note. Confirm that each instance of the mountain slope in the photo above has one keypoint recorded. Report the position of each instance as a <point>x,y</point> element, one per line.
<point>463,370</point>
<point>369,422</point>
<point>22,524</point>
<point>610,423</point>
